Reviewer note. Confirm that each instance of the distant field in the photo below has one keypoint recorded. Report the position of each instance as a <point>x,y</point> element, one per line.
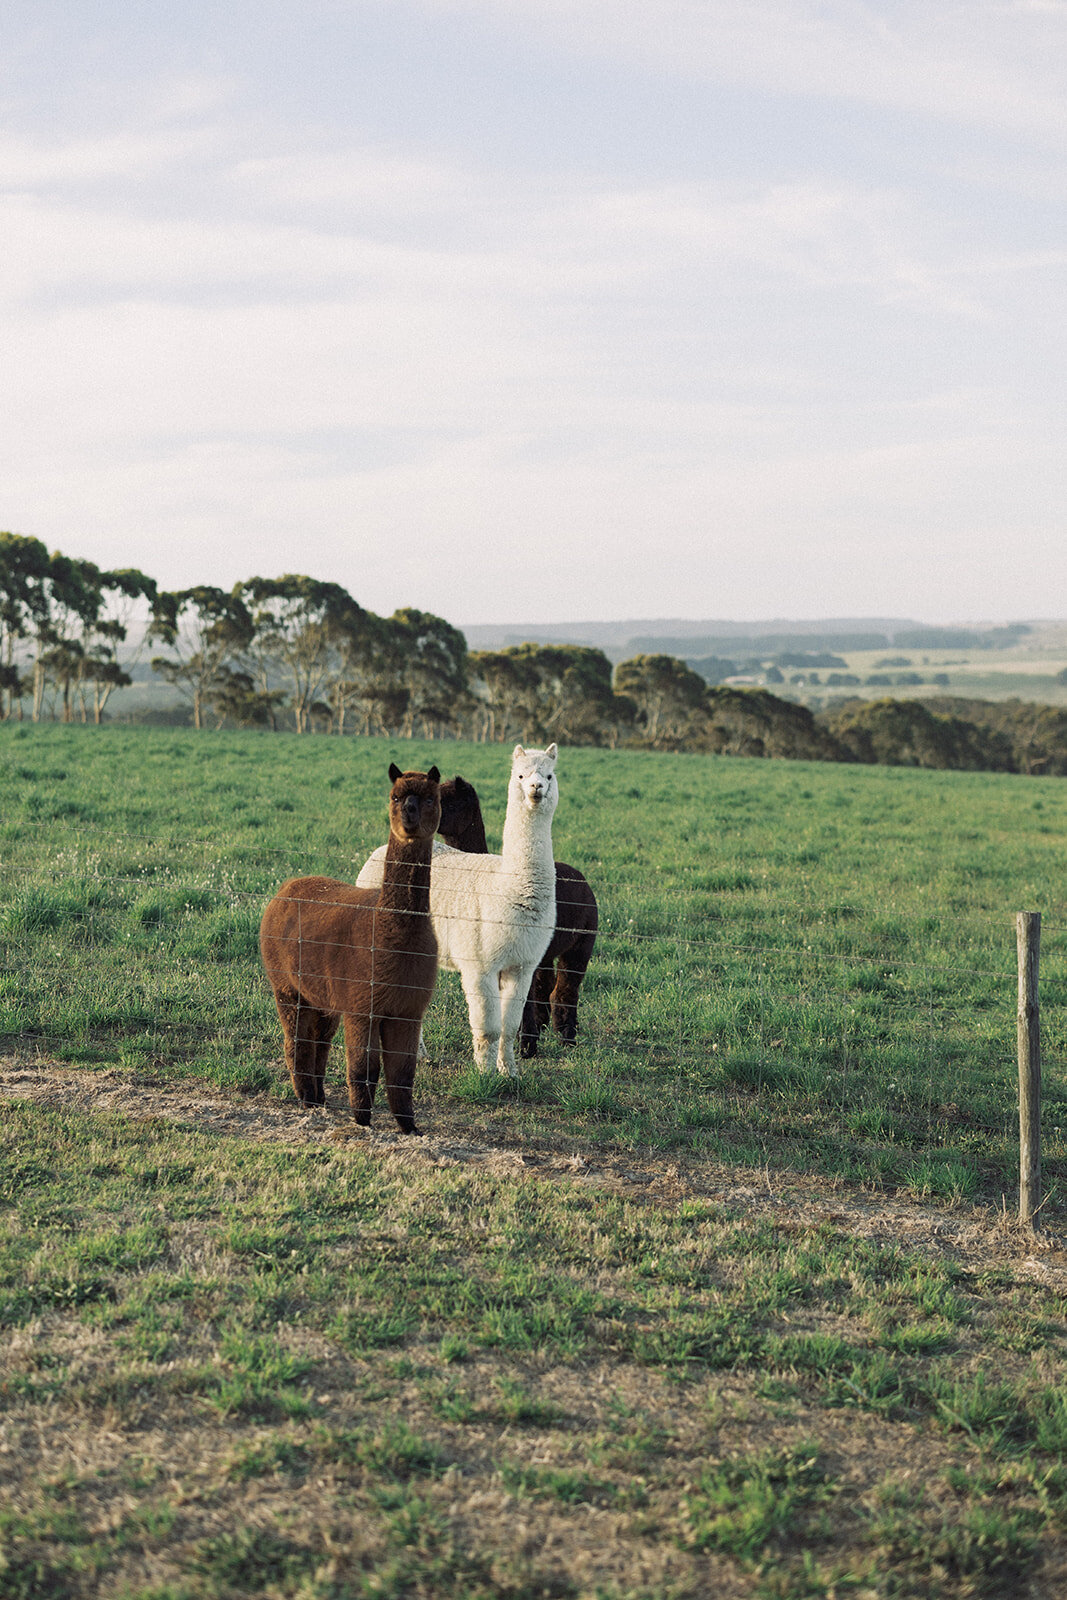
<point>1027,672</point>
<point>804,964</point>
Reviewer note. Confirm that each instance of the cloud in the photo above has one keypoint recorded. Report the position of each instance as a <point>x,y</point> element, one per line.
<point>72,163</point>
<point>366,182</point>
<point>984,63</point>
<point>295,228</point>
<point>246,345</point>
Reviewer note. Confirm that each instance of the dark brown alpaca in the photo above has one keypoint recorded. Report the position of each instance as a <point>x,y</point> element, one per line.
<point>555,994</point>
<point>369,956</point>
<point>461,823</point>
<point>554,990</point>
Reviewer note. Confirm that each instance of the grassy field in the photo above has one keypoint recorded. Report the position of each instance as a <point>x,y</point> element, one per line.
<point>799,963</point>
<point>350,1371</point>
<point>554,1349</point>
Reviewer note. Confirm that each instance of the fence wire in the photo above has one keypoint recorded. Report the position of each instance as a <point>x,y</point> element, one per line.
<point>840,1021</point>
<point>167,971</point>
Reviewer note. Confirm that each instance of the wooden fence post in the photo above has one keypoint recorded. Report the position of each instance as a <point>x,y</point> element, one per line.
<point>1028,936</point>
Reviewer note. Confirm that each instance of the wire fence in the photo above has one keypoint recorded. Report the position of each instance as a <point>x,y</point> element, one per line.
<point>686,1032</point>
<point>744,998</point>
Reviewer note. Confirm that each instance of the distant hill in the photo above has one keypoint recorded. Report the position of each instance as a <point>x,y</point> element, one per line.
<point>692,639</point>
<point>683,637</point>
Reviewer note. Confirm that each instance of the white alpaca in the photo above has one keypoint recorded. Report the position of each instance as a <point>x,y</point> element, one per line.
<point>494,915</point>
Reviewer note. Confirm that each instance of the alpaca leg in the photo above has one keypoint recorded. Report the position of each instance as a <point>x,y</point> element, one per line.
<point>318,1028</point>
<point>565,1002</point>
<point>400,1040</point>
<point>570,970</point>
<point>535,1012</point>
<point>303,1029</point>
<point>541,989</point>
<point>514,988</point>
<point>482,994</point>
<point>287,1013</point>
<point>363,1059</point>
<point>329,1028</point>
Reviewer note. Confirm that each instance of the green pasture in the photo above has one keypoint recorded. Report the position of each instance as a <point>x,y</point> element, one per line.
<point>801,964</point>
<point>347,1372</point>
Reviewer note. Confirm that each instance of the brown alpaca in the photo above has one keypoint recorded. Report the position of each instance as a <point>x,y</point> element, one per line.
<point>554,990</point>
<point>369,956</point>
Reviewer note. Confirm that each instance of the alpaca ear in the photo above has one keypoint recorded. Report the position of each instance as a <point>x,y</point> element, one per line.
<point>394,772</point>
<point>518,754</point>
<point>433,775</point>
<point>552,752</point>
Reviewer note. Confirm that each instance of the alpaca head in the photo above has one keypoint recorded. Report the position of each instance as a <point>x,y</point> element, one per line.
<point>414,803</point>
<point>533,779</point>
<point>459,805</point>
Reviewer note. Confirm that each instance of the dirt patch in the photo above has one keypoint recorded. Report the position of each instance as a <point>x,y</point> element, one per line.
<point>975,1237</point>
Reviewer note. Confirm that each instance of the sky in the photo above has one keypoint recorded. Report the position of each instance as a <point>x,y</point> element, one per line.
<point>544,310</point>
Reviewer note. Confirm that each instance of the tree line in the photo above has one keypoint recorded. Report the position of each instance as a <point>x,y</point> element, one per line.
<point>299,653</point>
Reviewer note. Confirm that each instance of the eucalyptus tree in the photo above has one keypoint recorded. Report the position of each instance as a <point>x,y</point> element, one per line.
<point>754,722</point>
<point>501,682</point>
<point>911,733</point>
<point>671,699</point>
<point>304,632</point>
<point>370,680</point>
<point>208,631</point>
<point>24,565</point>
<point>575,700</point>
<point>69,599</point>
<point>430,659</point>
<point>101,670</point>
<point>234,697</point>
<point>548,691</point>
<point>80,620</point>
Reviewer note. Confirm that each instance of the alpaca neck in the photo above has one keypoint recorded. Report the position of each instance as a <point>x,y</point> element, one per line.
<point>471,839</point>
<point>528,838</point>
<point>406,883</point>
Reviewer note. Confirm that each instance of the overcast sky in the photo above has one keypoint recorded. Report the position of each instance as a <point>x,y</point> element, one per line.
<point>522,310</point>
